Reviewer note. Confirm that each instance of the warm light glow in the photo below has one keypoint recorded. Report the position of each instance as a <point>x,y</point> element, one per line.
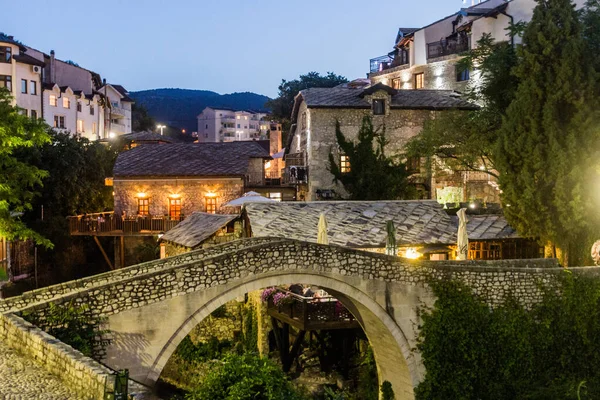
<point>482,168</point>
<point>472,205</point>
<point>268,164</point>
<point>211,194</point>
<point>141,195</point>
<point>112,135</point>
<point>174,195</point>
<point>412,253</point>
<point>183,131</point>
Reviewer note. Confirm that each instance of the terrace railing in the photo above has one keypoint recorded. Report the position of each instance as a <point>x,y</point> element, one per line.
<point>107,224</point>
<point>447,47</point>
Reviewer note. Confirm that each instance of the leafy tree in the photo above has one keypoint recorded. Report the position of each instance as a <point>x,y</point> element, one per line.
<point>18,179</point>
<point>140,119</point>
<point>590,18</point>
<point>547,152</point>
<point>465,140</point>
<point>372,175</point>
<point>281,107</point>
<point>245,377</point>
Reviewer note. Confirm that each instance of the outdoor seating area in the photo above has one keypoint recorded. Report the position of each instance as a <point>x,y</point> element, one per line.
<point>107,224</point>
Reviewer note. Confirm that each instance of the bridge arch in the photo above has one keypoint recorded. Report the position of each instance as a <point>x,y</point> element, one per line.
<point>391,349</point>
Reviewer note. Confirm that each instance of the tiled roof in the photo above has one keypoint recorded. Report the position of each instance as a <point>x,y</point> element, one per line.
<point>27,59</point>
<point>123,93</point>
<point>188,159</point>
<point>362,224</point>
<point>196,228</point>
<point>148,136</point>
<point>346,97</point>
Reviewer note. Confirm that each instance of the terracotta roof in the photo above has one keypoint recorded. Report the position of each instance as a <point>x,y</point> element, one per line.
<point>196,228</point>
<point>347,97</point>
<point>362,224</point>
<point>188,159</point>
<point>148,136</point>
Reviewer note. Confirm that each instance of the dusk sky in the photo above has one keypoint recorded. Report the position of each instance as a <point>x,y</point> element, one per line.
<point>224,46</point>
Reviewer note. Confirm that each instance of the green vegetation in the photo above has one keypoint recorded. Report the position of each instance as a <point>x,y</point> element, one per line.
<point>140,119</point>
<point>19,179</point>
<point>471,351</point>
<point>73,325</point>
<point>547,152</point>
<point>372,175</point>
<point>281,107</point>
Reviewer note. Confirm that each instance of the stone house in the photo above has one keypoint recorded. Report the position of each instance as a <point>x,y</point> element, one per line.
<point>312,135</point>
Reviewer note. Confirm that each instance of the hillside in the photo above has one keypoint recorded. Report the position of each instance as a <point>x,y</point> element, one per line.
<point>179,107</point>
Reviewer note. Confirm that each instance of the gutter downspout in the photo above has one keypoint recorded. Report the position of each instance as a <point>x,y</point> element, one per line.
<point>512,21</point>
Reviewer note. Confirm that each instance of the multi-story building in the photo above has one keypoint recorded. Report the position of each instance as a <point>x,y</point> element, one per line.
<point>229,125</point>
<point>425,58</point>
<point>67,96</point>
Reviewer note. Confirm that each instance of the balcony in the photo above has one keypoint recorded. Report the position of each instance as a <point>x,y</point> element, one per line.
<point>117,111</point>
<point>447,47</point>
<point>380,63</point>
<point>295,159</point>
<point>311,313</point>
<point>107,224</point>
<point>117,128</point>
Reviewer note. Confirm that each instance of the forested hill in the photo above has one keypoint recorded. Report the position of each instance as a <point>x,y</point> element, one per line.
<point>179,107</point>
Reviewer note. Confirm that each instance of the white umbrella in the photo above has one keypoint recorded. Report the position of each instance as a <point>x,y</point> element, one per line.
<point>248,197</point>
<point>322,230</point>
<point>462,241</point>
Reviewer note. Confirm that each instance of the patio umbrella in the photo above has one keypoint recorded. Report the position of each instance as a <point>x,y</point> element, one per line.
<point>462,238</point>
<point>390,244</point>
<point>322,230</point>
<point>248,197</point>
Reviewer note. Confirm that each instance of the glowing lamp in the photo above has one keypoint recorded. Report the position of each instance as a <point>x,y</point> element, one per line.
<point>268,164</point>
<point>412,253</point>
<point>141,195</point>
<point>211,194</point>
<point>112,135</point>
<point>174,195</point>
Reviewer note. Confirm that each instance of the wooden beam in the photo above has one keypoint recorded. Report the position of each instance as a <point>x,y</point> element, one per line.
<point>122,252</point>
<point>103,252</point>
<point>296,348</point>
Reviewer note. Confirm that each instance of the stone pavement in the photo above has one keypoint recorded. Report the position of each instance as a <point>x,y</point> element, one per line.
<point>21,378</point>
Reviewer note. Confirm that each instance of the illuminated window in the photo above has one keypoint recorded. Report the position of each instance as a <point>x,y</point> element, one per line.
<point>94,130</point>
<point>396,83</point>
<point>143,206</point>
<point>52,100</point>
<point>378,107</point>
<point>66,102</point>
<point>344,164</point>
<point>80,126</point>
<point>419,80</point>
<point>211,205</point>
<point>6,82</point>
<point>174,208</point>
<point>275,196</point>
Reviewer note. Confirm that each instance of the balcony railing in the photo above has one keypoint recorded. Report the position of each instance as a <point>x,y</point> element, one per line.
<point>296,159</point>
<point>107,224</point>
<point>311,313</point>
<point>447,47</point>
<point>294,175</point>
<point>119,111</point>
<point>380,63</point>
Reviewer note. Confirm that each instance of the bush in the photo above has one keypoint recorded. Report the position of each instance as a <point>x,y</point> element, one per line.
<point>387,393</point>
<point>241,377</point>
<point>471,351</point>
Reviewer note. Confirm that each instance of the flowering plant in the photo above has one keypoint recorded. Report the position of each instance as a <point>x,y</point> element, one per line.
<point>267,294</point>
<point>281,298</point>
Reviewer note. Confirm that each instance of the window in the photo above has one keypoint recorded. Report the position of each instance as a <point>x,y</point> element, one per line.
<point>66,102</point>
<point>91,110</point>
<point>463,75</point>
<point>52,100</point>
<point>5,54</point>
<point>303,121</point>
<point>211,205</point>
<point>419,80</point>
<point>33,87</point>
<point>206,127</point>
<point>80,128</point>
<point>59,121</point>
<point>94,131</point>
<point>143,206</point>
<point>379,107</point>
<point>413,164</point>
<point>238,126</point>
<point>24,86</point>
<point>396,83</point>
<point>78,106</point>
<point>34,114</point>
<point>6,82</point>
<point>274,196</point>
<point>174,208</point>
<point>344,164</point>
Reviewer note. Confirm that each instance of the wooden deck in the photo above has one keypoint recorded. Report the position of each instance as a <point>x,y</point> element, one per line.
<point>312,313</point>
<point>107,224</point>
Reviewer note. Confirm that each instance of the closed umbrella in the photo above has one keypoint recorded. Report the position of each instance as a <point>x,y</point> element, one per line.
<point>249,197</point>
<point>322,230</point>
<point>390,244</point>
<point>462,240</point>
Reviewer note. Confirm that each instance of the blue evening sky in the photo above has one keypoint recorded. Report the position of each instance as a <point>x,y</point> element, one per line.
<point>224,46</point>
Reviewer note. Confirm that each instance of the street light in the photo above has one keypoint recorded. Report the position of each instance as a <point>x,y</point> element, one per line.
<point>161,127</point>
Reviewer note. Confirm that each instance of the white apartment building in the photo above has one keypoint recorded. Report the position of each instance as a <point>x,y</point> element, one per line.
<point>66,96</point>
<point>425,58</point>
<point>229,125</point>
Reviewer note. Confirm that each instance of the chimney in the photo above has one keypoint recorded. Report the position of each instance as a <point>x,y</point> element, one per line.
<point>52,67</point>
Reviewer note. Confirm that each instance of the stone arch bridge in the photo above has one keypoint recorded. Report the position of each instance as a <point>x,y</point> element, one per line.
<point>151,307</point>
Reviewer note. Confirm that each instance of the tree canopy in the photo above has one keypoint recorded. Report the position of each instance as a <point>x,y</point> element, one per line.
<point>281,106</point>
<point>547,153</point>
<point>372,175</point>
<point>19,179</point>
<point>140,119</point>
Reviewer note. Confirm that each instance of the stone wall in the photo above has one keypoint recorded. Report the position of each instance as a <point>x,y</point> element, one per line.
<point>82,374</point>
<point>192,192</point>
